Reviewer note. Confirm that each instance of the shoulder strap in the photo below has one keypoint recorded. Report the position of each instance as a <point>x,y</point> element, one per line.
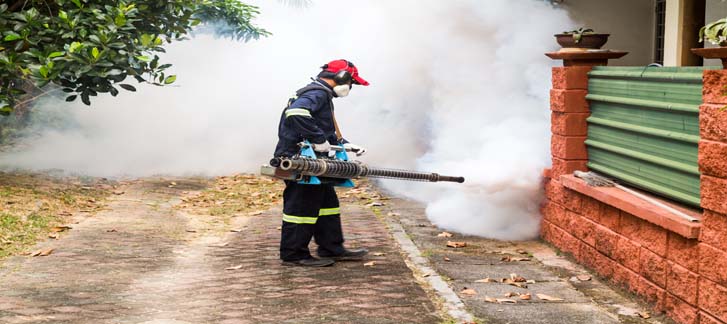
<point>314,86</point>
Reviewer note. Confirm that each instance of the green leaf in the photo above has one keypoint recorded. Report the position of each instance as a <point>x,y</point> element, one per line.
<point>55,54</point>
<point>127,87</point>
<point>63,15</point>
<point>120,20</point>
<point>95,53</point>
<point>43,71</point>
<point>77,2</point>
<point>71,98</point>
<point>143,58</point>
<point>74,47</point>
<point>146,40</point>
<point>85,99</point>
<point>6,110</point>
<point>170,79</point>
<point>12,36</point>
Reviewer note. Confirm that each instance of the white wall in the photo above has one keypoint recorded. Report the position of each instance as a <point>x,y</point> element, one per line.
<point>630,23</point>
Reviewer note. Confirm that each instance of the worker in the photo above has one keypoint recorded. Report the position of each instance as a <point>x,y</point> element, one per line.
<point>312,211</point>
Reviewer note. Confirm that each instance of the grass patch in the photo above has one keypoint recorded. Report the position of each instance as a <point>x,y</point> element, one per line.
<point>30,204</point>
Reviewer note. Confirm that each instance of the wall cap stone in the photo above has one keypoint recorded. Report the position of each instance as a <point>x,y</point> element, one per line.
<point>638,207</point>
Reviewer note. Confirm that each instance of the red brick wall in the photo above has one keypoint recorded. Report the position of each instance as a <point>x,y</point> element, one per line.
<point>686,278</point>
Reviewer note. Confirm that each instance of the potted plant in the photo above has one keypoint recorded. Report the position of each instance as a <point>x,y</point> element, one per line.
<point>715,33</point>
<point>581,38</point>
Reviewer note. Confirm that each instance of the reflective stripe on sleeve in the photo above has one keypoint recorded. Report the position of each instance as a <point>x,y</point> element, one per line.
<point>329,211</point>
<point>299,219</point>
<point>297,112</point>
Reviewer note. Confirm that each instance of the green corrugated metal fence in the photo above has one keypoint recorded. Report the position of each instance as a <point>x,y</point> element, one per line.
<point>644,128</point>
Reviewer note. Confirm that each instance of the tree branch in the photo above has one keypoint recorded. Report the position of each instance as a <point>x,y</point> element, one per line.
<point>17,5</point>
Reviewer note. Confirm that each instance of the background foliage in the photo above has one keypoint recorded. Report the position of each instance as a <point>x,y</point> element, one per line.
<point>87,47</point>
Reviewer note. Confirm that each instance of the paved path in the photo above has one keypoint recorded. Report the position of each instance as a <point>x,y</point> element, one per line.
<point>583,301</point>
<point>142,261</point>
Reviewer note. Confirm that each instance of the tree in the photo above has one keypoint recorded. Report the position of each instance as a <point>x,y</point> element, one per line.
<point>87,47</point>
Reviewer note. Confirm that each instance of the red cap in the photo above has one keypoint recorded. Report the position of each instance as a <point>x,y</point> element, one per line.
<point>338,65</point>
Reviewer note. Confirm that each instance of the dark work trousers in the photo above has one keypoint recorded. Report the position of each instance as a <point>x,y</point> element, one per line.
<point>310,211</point>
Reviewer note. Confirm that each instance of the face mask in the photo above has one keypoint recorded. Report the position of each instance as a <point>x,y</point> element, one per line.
<point>342,90</point>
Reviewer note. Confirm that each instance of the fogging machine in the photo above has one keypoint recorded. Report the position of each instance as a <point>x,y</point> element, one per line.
<point>308,167</point>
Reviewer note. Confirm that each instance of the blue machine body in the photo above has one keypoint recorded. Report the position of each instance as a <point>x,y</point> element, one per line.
<point>307,151</point>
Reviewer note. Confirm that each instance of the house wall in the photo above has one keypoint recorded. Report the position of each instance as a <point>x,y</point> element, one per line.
<point>679,269</point>
<point>630,23</point>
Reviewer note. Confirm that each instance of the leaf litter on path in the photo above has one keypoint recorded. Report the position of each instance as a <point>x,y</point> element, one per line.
<point>444,234</point>
<point>237,267</point>
<point>548,298</point>
<point>456,245</point>
<point>45,252</point>
<point>58,229</point>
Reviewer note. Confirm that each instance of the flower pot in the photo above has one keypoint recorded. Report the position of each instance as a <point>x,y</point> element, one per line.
<point>588,41</point>
<point>714,52</point>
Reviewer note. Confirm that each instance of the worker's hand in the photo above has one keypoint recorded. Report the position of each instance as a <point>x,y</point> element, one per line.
<point>359,150</point>
<point>322,147</point>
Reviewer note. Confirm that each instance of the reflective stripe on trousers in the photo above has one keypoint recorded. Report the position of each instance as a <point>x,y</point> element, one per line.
<point>311,220</point>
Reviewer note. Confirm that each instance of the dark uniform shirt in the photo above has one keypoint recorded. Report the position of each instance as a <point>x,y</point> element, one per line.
<point>308,116</point>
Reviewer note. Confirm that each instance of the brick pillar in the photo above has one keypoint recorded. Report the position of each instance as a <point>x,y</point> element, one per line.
<point>712,289</point>
<point>570,109</point>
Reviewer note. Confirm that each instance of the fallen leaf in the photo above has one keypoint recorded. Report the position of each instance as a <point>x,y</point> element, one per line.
<point>490,299</point>
<point>172,183</point>
<point>42,253</point>
<point>369,264</point>
<point>486,280</point>
<point>375,204</point>
<point>511,294</point>
<point>506,301</point>
<point>378,254</point>
<point>548,298</point>
<point>527,296</point>
<point>506,258</point>
<point>468,291</point>
<point>530,281</point>
<point>256,213</point>
<point>237,267</point>
<point>191,231</point>
<point>53,236</point>
<point>279,228</point>
<point>117,192</point>
<point>444,234</point>
<point>59,229</point>
<point>521,251</point>
<point>446,259</point>
<point>113,230</point>
<point>426,275</point>
<point>455,245</point>
<point>236,230</point>
<point>644,315</point>
<point>393,214</point>
<point>516,278</point>
<point>513,283</point>
<point>583,277</point>
<point>65,213</point>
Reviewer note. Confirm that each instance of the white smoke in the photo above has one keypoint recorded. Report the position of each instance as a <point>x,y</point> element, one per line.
<point>458,87</point>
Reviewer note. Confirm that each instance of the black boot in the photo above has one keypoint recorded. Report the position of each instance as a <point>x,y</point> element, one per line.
<point>347,255</point>
<point>310,262</point>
